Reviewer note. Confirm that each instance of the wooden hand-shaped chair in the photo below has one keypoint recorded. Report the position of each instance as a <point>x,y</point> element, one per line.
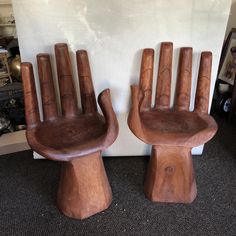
<point>172,132</point>
<point>75,138</point>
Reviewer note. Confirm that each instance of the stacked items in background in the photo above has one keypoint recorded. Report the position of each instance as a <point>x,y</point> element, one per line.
<point>11,95</point>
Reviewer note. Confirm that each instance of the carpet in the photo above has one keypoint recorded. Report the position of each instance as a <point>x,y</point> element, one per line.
<point>28,196</point>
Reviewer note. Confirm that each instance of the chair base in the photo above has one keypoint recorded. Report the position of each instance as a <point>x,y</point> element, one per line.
<point>170,175</point>
<point>84,189</point>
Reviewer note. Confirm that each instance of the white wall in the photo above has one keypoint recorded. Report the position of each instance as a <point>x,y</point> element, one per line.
<point>114,32</point>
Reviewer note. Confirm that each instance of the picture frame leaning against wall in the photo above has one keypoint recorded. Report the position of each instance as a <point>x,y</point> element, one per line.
<point>226,101</point>
<point>227,66</point>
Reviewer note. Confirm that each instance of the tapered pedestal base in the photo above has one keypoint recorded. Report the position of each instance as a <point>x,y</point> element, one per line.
<point>84,189</point>
<point>170,175</point>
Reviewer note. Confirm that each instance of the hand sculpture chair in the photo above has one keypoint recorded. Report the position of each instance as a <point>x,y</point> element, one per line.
<point>74,138</point>
<point>172,132</point>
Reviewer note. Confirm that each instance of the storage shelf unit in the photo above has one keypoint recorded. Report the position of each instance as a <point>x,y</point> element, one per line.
<point>5,2</point>
<point>7,25</point>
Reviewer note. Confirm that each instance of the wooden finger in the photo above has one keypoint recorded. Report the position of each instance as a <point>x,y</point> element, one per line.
<point>87,94</point>
<point>203,85</point>
<point>30,97</point>
<point>164,77</point>
<point>183,87</point>
<point>146,77</point>
<point>66,85</point>
<point>47,87</point>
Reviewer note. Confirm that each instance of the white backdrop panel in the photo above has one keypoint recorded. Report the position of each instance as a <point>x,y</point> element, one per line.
<point>114,32</point>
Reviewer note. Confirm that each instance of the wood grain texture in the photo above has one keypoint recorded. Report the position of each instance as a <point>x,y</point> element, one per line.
<point>75,139</point>
<point>66,85</point>
<point>88,191</point>
<point>164,77</point>
<point>184,80</point>
<point>170,175</point>
<point>47,87</point>
<point>146,77</point>
<point>173,132</point>
<point>204,82</point>
<point>30,96</point>
<point>87,94</point>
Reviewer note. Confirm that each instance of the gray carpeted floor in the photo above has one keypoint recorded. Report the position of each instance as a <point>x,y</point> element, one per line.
<point>28,192</point>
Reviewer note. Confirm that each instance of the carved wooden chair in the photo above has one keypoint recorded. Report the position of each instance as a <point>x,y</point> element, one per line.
<point>74,138</point>
<point>172,132</point>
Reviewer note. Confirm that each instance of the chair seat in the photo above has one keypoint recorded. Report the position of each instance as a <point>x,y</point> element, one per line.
<point>76,136</point>
<point>176,127</point>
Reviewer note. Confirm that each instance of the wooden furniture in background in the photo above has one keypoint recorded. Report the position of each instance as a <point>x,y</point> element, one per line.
<point>172,132</point>
<point>3,58</point>
<point>74,138</point>
<point>228,58</point>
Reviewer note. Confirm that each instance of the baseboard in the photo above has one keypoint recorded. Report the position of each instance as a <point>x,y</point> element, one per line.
<point>13,142</point>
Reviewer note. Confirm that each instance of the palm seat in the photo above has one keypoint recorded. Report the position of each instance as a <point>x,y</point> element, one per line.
<point>173,132</point>
<point>179,128</point>
<point>73,137</point>
<point>82,135</point>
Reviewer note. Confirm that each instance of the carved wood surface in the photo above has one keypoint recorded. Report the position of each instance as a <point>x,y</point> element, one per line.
<point>73,136</point>
<point>156,125</point>
<point>170,175</point>
<point>167,128</point>
<point>88,191</point>
<point>164,77</point>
